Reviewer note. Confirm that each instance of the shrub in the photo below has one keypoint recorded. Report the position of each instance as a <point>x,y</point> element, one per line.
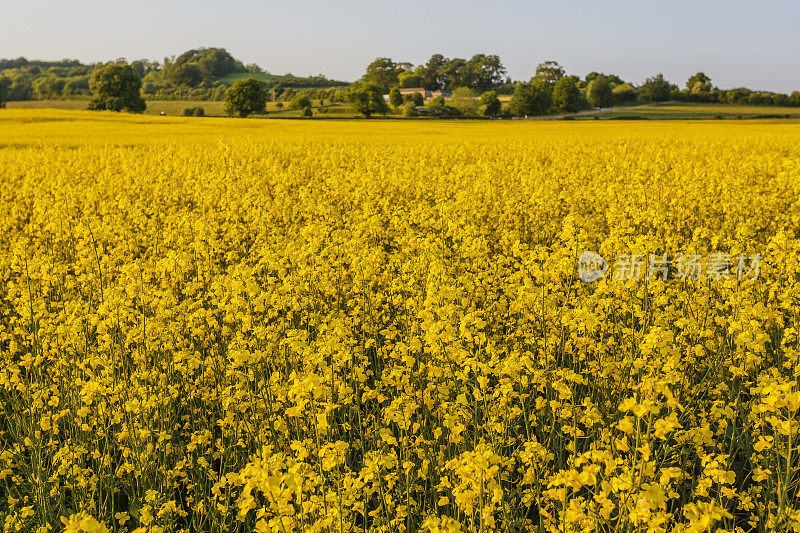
<point>410,111</point>
<point>194,112</point>
<point>301,102</point>
<point>490,104</point>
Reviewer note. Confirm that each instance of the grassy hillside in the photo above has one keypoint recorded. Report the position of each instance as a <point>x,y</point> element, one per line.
<point>286,79</point>
<point>265,77</point>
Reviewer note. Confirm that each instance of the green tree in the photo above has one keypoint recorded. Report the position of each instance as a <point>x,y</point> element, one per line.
<point>737,96</point>
<point>700,77</point>
<point>211,63</point>
<point>431,73</point>
<point>48,87</point>
<point>418,99</point>
<point>482,72</point>
<point>549,73</point>
<point>395,98</point>
<point>116,88</point>
<point>194,112</point>
<point>656,89</point>
<point>794,99</point>
<point>410,110</point>
<point>410,78</point>
<point>217,62</point>
<point>246,97</point>
<point>465,100</point>
<point>302,101</point>
<point>76,86</point>
<point>567,98</point>
<point>699,88</point>
<point>3,91</point>
<point>143,67</point>
<point>530,99</point>
<point>599,92</point>
<point>490,104</point>
<point>367,99</point>
<point>437,107</point>
<point>612,78</point>
<point>307,112</point>
<point>20,88</point>
<point>780,99</point>
<point>624,93</point>
<point>187,74</point>
<point>450,73</point>
<point>702,91</point>
<point>383,72</point>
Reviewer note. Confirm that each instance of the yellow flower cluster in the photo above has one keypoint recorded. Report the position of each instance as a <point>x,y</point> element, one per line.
<point>279,326</point>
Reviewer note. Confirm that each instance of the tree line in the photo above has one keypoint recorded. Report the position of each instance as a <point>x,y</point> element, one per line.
<point>198,74</point>
<point>549,91</point>
<point>481,72</point>
<point>476,86</point>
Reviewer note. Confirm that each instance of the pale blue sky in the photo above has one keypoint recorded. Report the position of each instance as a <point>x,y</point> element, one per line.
<point>753,43</point>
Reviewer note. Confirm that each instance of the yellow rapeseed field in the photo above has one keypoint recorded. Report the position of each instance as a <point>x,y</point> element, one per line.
<point>342,326</point>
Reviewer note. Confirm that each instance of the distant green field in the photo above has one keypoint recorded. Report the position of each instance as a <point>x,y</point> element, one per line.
<point>215,109</point>
<point>154,107</point>
<point>685,110</point>
<point>49,104</point>
<point>176,107</point>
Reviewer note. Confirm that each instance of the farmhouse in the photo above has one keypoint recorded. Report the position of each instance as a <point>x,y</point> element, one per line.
<point>426,94</point>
